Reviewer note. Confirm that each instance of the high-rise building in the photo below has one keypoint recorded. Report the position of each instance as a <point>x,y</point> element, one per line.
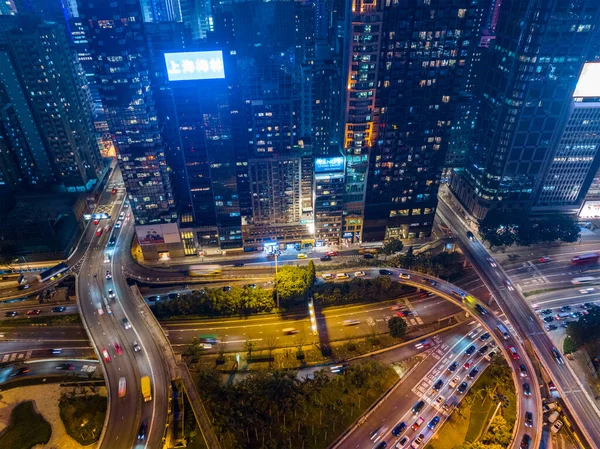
<point>329,199</point>
<point>407,64</point>
<point>59,99</point>
<point>118,45</point>
<point>577,154</point>
<point>529,79</point>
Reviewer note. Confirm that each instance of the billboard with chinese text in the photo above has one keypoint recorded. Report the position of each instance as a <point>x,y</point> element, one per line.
<point>195,65</point>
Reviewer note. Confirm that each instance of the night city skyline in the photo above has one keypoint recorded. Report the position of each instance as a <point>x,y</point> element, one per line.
<point>300,224</point>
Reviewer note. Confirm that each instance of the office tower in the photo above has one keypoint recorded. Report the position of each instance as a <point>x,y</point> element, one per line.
<point>329,199</point>
<point>118,44</point>
<point>530,77</point>
<point>161,10</point>
<point>59,99</point>
<point>577,156</point>
<point>407,63</point>
<point>26,162</point>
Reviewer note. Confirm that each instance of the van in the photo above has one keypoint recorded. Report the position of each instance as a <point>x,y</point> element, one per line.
<point>342,276</point>
<point>327,276</point>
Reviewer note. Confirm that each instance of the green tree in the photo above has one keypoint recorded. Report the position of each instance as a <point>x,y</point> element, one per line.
<point>8,253</point>
<point>586,330</point>
<point>397,327</point>
<point>312,274</point>
<point>292,284</point>
<point>392,246</point>
<point>498,228</point>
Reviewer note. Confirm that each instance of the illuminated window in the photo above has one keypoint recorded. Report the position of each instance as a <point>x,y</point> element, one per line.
<point>462,13</point>
<point>416,211</point>
<point>445,99</point>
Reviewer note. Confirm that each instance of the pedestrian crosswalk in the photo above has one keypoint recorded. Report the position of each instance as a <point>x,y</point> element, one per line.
<point>15,356</point>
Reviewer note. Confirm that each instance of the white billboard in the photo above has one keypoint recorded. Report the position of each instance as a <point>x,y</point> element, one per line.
<point>195,65</point>
<point>589,81</point>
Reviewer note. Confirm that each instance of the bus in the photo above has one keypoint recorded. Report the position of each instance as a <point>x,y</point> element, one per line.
<point>208,338</point>
<point>585,259</point>
<point>204,270</point>
<point>583,280</point>
<point>370,248</point>
<point>503,331</point>
<point>53,273</point>
<point>146,389</point>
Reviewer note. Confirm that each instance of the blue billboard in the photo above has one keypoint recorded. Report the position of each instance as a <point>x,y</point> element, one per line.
<point>329,164</point>
<point>195,65</point>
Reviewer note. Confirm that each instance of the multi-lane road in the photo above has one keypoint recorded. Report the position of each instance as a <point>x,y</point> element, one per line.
<point>529,327</point>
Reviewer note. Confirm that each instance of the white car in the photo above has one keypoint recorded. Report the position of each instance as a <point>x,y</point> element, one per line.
<point>440,400</point>
<point>111,293</point>
<point>489,259</point>
<point>106,258</point>
<point>342,276</point>
<point>100,310</point>
<point>454,382</point>
<point>509,285</point>
<point>327,276</point>
<point>360,274</point>
<point>351,322</point>
<point>556,426</point>
<point>118,224</point>
<point>585,291</point>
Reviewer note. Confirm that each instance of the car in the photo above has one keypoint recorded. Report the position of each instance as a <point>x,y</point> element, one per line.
<point>118,348</point>
<point>468,364</point>
<point>400,427</point>
<point>425,294</point>
<point>126,323</point>
<point>402,443</point>
<point>525,442</point>
<point>587,305</point>
<point>113,191</point>
<point>205,345</point>
<point>438,385</point>
<point>238,264</point>
<point>453,367</point>
<point>509,285</point>
<point>100,310</point>
<point>327,276</point>
<point>513,352</point>
<point>111,293</point>
<point>106,355</point>
<point>480,309</point>
<point>125,205</point>
<point>473,334</point>
<point>96,221</point>
<point>483,349</point>
<point>473,373</point>
<point>471,236</point>
<point>11,314</point>
<point>585,291</point>
<point>253,286</point>
<point>107,228</point>
<point>490,356</point>
<point>56,351</point>
<point>462,388</point>
<point>551,386</point>
<point>558,424</point>
<point>381,445</point>
<point>226,288</point>
<point>302,256</point>
<point>360,274</point>
<point>548,319</point>
<point>523,370</point>
<point>526,389</point>
<point>576,314</point>
<point>458,294</point>
<point>485,336</point>
<point>491,262</point>
<point>557,356</point>
<point>59,309</point>
<point>377,434</point>
<point>430,282</point>
<point>528,419</point>
<point>122,214</point>
<point>545,259</point>
<point>331,253</point>
<point>434,422</point>
<point>417,441</point>
<point>118,224</point>
<point>122,387</point>
<point>439,400</point>
<point>342,276</point>
<point>368,256</point>
<point>19,372</point>
<point>351,322</point>
<point>565,308</point>
<point>546,312</point>
<point>551,327</point>
<point>454,382</point>
<point>325,258</point>
<point>141,435</point>
<point>106,258</point>
<point>65,367</point>
<point>404,276</point>
<point>136,347</point>
<point>34,312</point>
<point>448,406</point>
<point>418,407</point>
<point>290,331</point>
<point>470,350</point>
<point>108,275</point>
<point>23,287</point>
<point>417,423</point>
<point>385,273</point>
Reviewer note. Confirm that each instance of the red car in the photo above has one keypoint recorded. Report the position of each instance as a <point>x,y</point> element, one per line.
<point>113,191</point>
<point>513,352</point>
<point>106,355</point>
<point>331,253</point>
<point>118,348</point>
<point>96,221</point>
<point>34,312</point>
<point>467,364</point>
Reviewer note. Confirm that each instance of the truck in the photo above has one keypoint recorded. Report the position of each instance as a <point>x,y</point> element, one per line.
<point>553,416</point>
<point>503,331</point>
<point>146,389</point>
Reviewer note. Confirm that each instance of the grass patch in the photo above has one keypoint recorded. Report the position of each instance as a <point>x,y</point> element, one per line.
<point>276,409</point>
<point>72,318</point>
<point>468,422</point>
<point>539,291</point>
<point>26,429</point>
<point>83,417</point>
<point>569,346</point>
